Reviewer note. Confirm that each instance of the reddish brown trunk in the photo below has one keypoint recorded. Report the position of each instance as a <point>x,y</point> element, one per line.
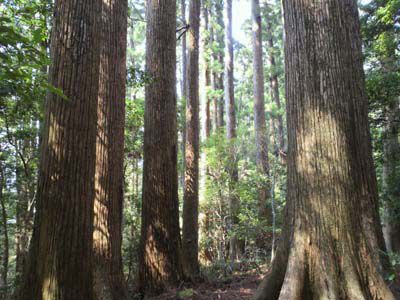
<point>332,238</point>
<point>264,190</point>
<point>160,238</point>
<point>60,265</point>
<point>109,282</point>
<point>234,202</point>
<point>190,228</point>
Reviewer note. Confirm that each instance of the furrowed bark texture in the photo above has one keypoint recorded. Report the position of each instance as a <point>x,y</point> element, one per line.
<point>60,263</point>
<point>331,241</point>
<point>264,191</point>
<point>160,237</point>
<point>190,227</point>
<point>234,202</point>
<point>109,282</point>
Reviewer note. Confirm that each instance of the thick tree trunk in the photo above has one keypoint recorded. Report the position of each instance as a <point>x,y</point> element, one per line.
<point>332,239</point>
<point>234,202</point>
<point>190,226</point>
<point>264,191</point>
<point>60,262</point>
<point>160,237</point>
<point>109,282</point>
<point>390,178</point>
<point>274,86</point>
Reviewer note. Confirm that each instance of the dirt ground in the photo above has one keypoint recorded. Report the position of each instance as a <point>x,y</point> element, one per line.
<point>238,287</point>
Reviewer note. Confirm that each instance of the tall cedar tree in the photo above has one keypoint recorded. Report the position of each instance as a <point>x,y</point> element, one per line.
<point>207,70</point>
<point>264,190</point>
<point>109,178</point>
<point>190,226</point>
<point>234,204</point>
<point>60,262</point>
<point>332,239</point>
<point>160,236</point>
<point>219,7</point>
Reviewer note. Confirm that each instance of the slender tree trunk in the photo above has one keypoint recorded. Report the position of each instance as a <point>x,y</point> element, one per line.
<point>207,70</point>
<point>214,74</point>
<point>234,202</point>
<point>390,178</point>
<point>6,244</point>
<point>190,228</point>
<point>274,86</point>
<point>184,93</point>
<point>160,237</point>
<point>332,237</point>
<point>25,186</point>
<point>60,265</point>
<point>264,190</point>
<point>221,59</point>
<point>109,282</point>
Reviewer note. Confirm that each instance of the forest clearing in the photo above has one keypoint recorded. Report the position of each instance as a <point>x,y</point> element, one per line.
<point>199,149</point>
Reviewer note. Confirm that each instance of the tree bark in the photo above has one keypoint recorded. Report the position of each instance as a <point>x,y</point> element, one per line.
<point>234,202</point>
<point>264,191</point>
<point>160,237</point>
<point>109,281</point>
<point>184,95</point>
<point>190,227</point>
<point>60,261</point>
<point>332,239</point>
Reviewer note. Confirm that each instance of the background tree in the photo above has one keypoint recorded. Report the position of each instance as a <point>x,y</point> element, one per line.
<point>160,237</point>
<point>264,192</point>
<point>190,227</point>
<point>109,281</point>
<point>329,155</point>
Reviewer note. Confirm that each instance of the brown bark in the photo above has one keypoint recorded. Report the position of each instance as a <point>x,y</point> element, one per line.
<point>160,238</point>
<point>331,241</point>
<point>109,282</point>
<point>234,202</point>
<point>264,190</point>
<point>60,264</point>
<point>274,86</point>
<point>184,94</point>
<point>190,226</point>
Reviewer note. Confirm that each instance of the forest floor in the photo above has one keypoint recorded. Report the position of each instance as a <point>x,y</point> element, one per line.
<point>240,285</point>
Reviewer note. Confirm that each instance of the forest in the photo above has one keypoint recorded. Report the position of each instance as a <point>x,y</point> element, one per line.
<point>199,149</point>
